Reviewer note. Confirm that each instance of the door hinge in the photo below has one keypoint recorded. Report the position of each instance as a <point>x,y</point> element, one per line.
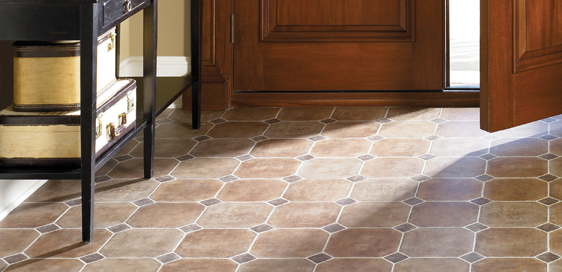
<point>232,28</point>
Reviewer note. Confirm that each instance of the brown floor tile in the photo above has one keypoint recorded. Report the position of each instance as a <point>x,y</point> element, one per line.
<point>304,215</point>
<point>556,266</point>
<point>450,189</point>
<point>32,215</point>
<point>15,241</point>
<point>433,265</point>
<point>517,167</point>
<point>534,129</point>
<point>238,130</point>
<point>107,167</point>
<point>251,114</point>
<point>556,147</point>
<point>223,148</point>
<point>341,148</point>
<point>460,129</point>
<point>305,114</point>
<point>511,242</point>
<point>516,189</point>
<point>3,265</point>
<point>286,243</point>
<point>183,190</point>
<point>206,168</point>
<point>555,241</point>
<point>185,115</point>
<point>355,265</point>
<point>374,214</point>
<point>253,190</point>
<point>377,242</point>
<point>413,113</point>
<point>124,190</point>
<point>556,189</point>
<point>278,265</point>
<point>455,167</point>
<point>128,148</point>
<point>281,148</point>
<point>408,129</point>
<point>461,114</point>
<point>166,215</point>
<point>318,190</point>
<point>56,191</point>
<point>556,128</point>
<point>47,265</point>
<point>167,148</point>
<point>216,243</point>
<point>124,265</point>
<point>134,168</point>
<point>556,167</point>
<point>142,243</point>
<point>330,168</point>
<point>509,265</point>
<point>556,213</point>
<point>513,214</point>
<point>294,129</point>
<point>519,147</point>
<point>181,130</point>
<point>459,147</point>
<point>200,265</point>
<point>400,147</point>
<point>105,215</point>
<point>359,113</point>
<point>384,190</point>
<point>392,167</point>
<point>268,168</point>
<point>437,242</point>
<point>235,215</point>
<point>66,243</point>
<point>351,129</point>
<point>444,214</point>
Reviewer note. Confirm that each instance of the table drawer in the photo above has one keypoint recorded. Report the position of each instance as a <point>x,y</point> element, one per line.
<point>113,10</point>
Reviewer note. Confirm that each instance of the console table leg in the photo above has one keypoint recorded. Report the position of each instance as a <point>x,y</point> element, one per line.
<point>88,63</point>
<point>196,30</point>
<point>149,72</point>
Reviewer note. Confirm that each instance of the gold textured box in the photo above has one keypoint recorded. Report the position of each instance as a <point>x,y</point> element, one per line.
<point>47,74</point>
<point>53,138</point>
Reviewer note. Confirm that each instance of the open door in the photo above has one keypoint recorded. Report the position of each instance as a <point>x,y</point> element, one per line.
<point>521,62</point>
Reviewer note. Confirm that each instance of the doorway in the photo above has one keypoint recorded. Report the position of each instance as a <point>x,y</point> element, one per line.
<point>463,45</point>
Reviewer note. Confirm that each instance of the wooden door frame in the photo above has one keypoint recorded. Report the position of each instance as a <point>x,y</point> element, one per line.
<point>217,76</point>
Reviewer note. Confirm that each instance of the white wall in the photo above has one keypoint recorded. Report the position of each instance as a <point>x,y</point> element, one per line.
<point>14,192</point>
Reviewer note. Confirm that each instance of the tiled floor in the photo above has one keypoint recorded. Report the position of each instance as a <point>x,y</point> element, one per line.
<point>310,189</point>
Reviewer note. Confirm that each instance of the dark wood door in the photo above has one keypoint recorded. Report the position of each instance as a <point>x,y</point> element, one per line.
<point>521,62</point>
<point>333,45</point>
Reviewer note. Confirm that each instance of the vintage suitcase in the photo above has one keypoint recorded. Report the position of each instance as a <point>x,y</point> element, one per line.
<point>47,74</point>
<point>53,138</point>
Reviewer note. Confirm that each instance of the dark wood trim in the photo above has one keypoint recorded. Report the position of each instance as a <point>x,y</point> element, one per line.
<point>414,99</point>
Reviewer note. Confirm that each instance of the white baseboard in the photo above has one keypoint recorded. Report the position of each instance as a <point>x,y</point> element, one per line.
<point>166,67</point>
<point>14,192</point>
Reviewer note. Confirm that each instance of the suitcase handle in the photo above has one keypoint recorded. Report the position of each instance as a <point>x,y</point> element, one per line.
<point>112,131</point>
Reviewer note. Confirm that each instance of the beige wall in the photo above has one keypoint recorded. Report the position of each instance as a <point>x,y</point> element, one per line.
<point>173,30</point>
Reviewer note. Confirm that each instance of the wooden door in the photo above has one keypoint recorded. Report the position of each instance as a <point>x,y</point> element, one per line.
<point>335,45</point>
<point>521,62</point>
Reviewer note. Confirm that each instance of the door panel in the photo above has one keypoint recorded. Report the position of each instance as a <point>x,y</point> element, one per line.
<point>521,60</point>
<point>334,45</point>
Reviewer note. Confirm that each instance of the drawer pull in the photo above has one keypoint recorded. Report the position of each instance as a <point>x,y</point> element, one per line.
<point>111,45</point>
<point>127,7</point>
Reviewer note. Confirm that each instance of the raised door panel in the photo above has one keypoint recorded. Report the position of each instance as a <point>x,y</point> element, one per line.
<point>336,20</point>
<point>338,45</point>
<point>538,34</point>
<point>521,60</point>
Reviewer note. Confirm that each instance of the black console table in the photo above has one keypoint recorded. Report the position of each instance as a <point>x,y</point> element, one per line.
<point>85,20</point>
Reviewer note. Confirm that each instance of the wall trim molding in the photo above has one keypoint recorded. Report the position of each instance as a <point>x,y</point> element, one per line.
<point>20,190</point>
